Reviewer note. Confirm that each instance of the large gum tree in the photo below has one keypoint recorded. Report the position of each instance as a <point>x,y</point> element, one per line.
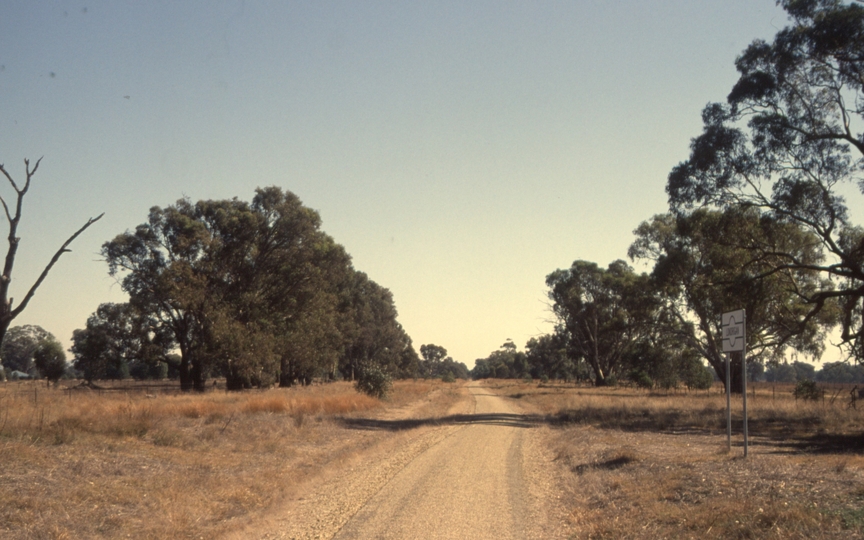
<point>706,263</point>
<point>789,141</point>
<point>232,282</point>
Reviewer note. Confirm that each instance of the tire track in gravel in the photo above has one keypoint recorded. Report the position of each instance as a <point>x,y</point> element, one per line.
<point>488,479</point>
<point>472,484</point>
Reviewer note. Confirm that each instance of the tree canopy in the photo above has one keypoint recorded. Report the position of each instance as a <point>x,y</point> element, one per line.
<point>120,341</point>
<point>602,312</point>
<point>50,359</point>
<point>788,141</point>
<point>704,264</point>
<point>255,291</point>
<point>18,347</point>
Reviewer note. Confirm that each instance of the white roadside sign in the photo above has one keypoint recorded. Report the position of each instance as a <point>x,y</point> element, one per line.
<point>733,331</point>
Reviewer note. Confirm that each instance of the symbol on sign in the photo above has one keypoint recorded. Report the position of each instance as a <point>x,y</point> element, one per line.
<point>733,331</point>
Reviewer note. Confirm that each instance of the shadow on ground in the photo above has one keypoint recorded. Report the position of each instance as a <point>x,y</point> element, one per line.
<point>796,439</point>
<point>492,419</point>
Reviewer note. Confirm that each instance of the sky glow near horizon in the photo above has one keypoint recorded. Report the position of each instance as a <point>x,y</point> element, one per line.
<point>460,151</point>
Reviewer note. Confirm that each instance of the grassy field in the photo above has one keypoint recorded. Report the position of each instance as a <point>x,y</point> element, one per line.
<point>150,462</point>
<point>154,463</point>
<point>653,465</point>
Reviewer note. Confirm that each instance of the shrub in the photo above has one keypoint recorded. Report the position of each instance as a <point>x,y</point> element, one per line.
<point>50,359</point>
<point>700,377</point>
<point>448,377</point>
<point>807,390</point>
<point>641,379</point>
<point>374,381</point>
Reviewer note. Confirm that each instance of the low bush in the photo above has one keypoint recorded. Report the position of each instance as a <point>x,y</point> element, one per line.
<point>374,381</point>
<point>807,390</point>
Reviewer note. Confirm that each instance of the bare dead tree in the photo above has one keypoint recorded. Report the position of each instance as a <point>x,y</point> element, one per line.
<point>7,312</point>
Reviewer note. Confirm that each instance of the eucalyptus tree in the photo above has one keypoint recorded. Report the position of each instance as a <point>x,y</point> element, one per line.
<point>19,344</point>
<point>505,363</point>
<point>547,357</point>
<point>432,356</point>
<point>118,340</point>
<point>409,361</point>
<point>372,336</point>
<point>602,313</point>
<point>709,262</point>
<point>50,359</point>
<point>229,280</point>
<point>790,141</point>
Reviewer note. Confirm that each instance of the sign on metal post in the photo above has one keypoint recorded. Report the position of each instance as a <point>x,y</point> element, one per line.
<point>734,338</point>
<point>735,341</point>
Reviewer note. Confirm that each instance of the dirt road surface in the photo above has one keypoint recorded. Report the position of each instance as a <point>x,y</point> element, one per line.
<point>484,473</point>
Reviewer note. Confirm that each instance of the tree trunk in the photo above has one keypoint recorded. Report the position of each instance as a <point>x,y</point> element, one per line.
<point>197,373</point>
<point>286,374</point>
<point>735,365</point>
<point>185,373</point>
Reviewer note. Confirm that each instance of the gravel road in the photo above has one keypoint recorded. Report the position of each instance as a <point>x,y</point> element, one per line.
<point>469,485</point>
<point>483,475</point>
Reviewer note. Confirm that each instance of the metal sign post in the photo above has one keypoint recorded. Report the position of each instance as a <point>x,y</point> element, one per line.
<point>744,395</point>
<point>735,340</point>
<point>728,403</point>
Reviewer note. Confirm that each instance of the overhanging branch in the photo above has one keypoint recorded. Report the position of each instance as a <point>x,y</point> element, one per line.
<point>63,249</point>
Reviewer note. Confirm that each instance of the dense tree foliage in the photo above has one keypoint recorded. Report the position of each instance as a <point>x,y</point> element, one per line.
<point>435,363</point>
<point>788,141</point>
<point>604,313</point>
<point>19,345</point>
<point>50,359</point>
<point>255,292</point>
<point>505,363</point>
<point>547,358</point>
<point>120,341</point>
<point>372,335</point>
<point>840,372</point>
<point>704,267</point>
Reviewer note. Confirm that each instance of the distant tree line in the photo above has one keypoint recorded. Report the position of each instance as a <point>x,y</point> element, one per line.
<point>435,364</point>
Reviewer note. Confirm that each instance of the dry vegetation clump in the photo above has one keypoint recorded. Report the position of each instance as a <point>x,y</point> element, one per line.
<point>643,465</point>
<point>84,464</point>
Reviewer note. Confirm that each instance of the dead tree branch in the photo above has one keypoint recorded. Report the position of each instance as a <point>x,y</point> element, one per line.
<point>7,314</point>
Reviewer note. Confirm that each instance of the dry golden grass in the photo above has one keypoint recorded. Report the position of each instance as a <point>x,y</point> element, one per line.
<point>643,465</point>
<point>83,464</point>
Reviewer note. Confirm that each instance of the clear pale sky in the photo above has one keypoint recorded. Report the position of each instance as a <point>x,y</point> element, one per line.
<point>460,151</point>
